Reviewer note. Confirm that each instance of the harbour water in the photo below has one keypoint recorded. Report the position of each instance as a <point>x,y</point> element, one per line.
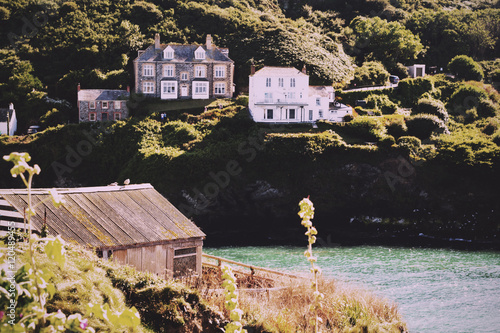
<point>437,290</point>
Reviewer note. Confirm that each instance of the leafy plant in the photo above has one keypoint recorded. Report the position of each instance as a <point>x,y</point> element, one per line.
<point>26,292</point>
<point>235,314</point>
<point>465,68</point>
<point>306,213</point>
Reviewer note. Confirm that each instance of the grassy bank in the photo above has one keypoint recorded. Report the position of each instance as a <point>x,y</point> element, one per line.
<point>171,306</point>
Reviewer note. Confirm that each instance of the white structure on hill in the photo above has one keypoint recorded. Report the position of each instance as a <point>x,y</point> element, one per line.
<point>8,120</point>
<point>283,95</point>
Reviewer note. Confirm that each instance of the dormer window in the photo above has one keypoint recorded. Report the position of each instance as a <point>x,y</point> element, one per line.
<point>199,54</point>
<point>168,53</point>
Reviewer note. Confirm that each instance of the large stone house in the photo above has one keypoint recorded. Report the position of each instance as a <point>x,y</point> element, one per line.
<point>283,95</point>
<point>102,104</point>
<point>174,71</point>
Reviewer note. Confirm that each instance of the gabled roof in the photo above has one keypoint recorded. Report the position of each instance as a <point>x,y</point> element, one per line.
<point>279,71</point>
<point>3,114</point>
<point>102,95</point>
<point>104,217</point>
<point>182,53</point>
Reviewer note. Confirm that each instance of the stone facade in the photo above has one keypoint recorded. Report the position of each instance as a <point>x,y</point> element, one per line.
<point>102,104</point>
<point>173,71</point>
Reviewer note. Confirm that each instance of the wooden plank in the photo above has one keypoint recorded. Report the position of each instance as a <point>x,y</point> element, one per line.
<point>161,260</point>
<point>255,268</point>
<point>120,256</point>
<point>149,259</point>
<point>134,258</point>
<point>157,213</point>
<point>10,213</point>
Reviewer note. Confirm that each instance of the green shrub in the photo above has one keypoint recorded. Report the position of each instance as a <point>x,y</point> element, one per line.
<point>411,90</point>
<point>487,108</point>
<point>495,75</point>
<point>465,68</point>
<point>431,106</point>
<point>381,103</point>
<point>176,133</point>
<point>422,125</point>
<point>410,144</point>
<point>465,98</point>
<point>496,138</point>
<point>371,73</point>
<point>348,118</point>
<point>242,100</point>
<point>396,125</point>
<point>492,126</point>
<point>368,128</point>
<point>303,143</point>
<point>386,141</point>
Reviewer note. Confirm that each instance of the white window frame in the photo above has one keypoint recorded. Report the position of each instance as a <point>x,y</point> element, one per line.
<point>118,105</point>
<point>184,76</point>
<point>220,71</point>
<point>105,105</point>
<point>148,87</point>
<point>169,89</point>
<point>148,70</point>
<point>199,54</point>
<point>290,113</point>
<point>268,82</point>
<point>168,70</point>
<point>269,112</point>
<point>168,53</point>
<point>268,97</point>
<point>219,88</point>
<point>92,116</point>
<point>200,88</point>
<point>320,113</point>
<point>200,71</point>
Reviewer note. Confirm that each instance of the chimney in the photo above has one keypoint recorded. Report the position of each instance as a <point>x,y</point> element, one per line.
<point>210,46</point>
<point>11,106</point>
<point>252,69</point>
<point>128,88</point>
<point>157,41</point>
<point>304,69</point>
<point>78,87</point>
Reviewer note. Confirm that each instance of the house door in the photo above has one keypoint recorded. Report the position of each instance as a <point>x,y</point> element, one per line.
<point>184,91</point>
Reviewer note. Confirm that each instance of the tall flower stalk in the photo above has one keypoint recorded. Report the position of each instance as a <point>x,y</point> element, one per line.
<point>306,213</point>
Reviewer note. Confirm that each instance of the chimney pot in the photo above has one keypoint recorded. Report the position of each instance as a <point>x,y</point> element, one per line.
<point>78,87</point>
<point>304,69</point>
<point>252,69</point>
<point>157,41</point>
<point>128,88</point>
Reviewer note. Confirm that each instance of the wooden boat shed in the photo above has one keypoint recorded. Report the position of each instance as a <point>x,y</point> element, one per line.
<point>133,224</point>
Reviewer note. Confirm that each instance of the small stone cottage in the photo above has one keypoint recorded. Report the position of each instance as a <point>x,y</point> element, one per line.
<point>102,104</point>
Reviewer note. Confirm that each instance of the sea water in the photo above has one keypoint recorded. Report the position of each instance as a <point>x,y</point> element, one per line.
<point>437,290</point>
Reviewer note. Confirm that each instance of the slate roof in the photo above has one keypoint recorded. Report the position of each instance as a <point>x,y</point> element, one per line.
<point>278,71</point>
<point>103,217</point>
<point>3,114</point>
<point>102,95</point>
<point>182,53</point>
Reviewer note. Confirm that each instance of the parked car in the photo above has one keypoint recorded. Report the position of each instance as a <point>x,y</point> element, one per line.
<point>394,79</point>
<point>33,129</point>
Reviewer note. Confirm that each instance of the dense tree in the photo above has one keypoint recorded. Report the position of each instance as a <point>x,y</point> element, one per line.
<point>377,39</point>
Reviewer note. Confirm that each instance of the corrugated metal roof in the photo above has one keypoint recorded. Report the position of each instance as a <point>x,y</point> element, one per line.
<point>107,216</point>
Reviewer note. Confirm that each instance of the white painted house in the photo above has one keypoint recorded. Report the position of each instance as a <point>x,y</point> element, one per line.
<point>8,120</point>
<point>283,95</point>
